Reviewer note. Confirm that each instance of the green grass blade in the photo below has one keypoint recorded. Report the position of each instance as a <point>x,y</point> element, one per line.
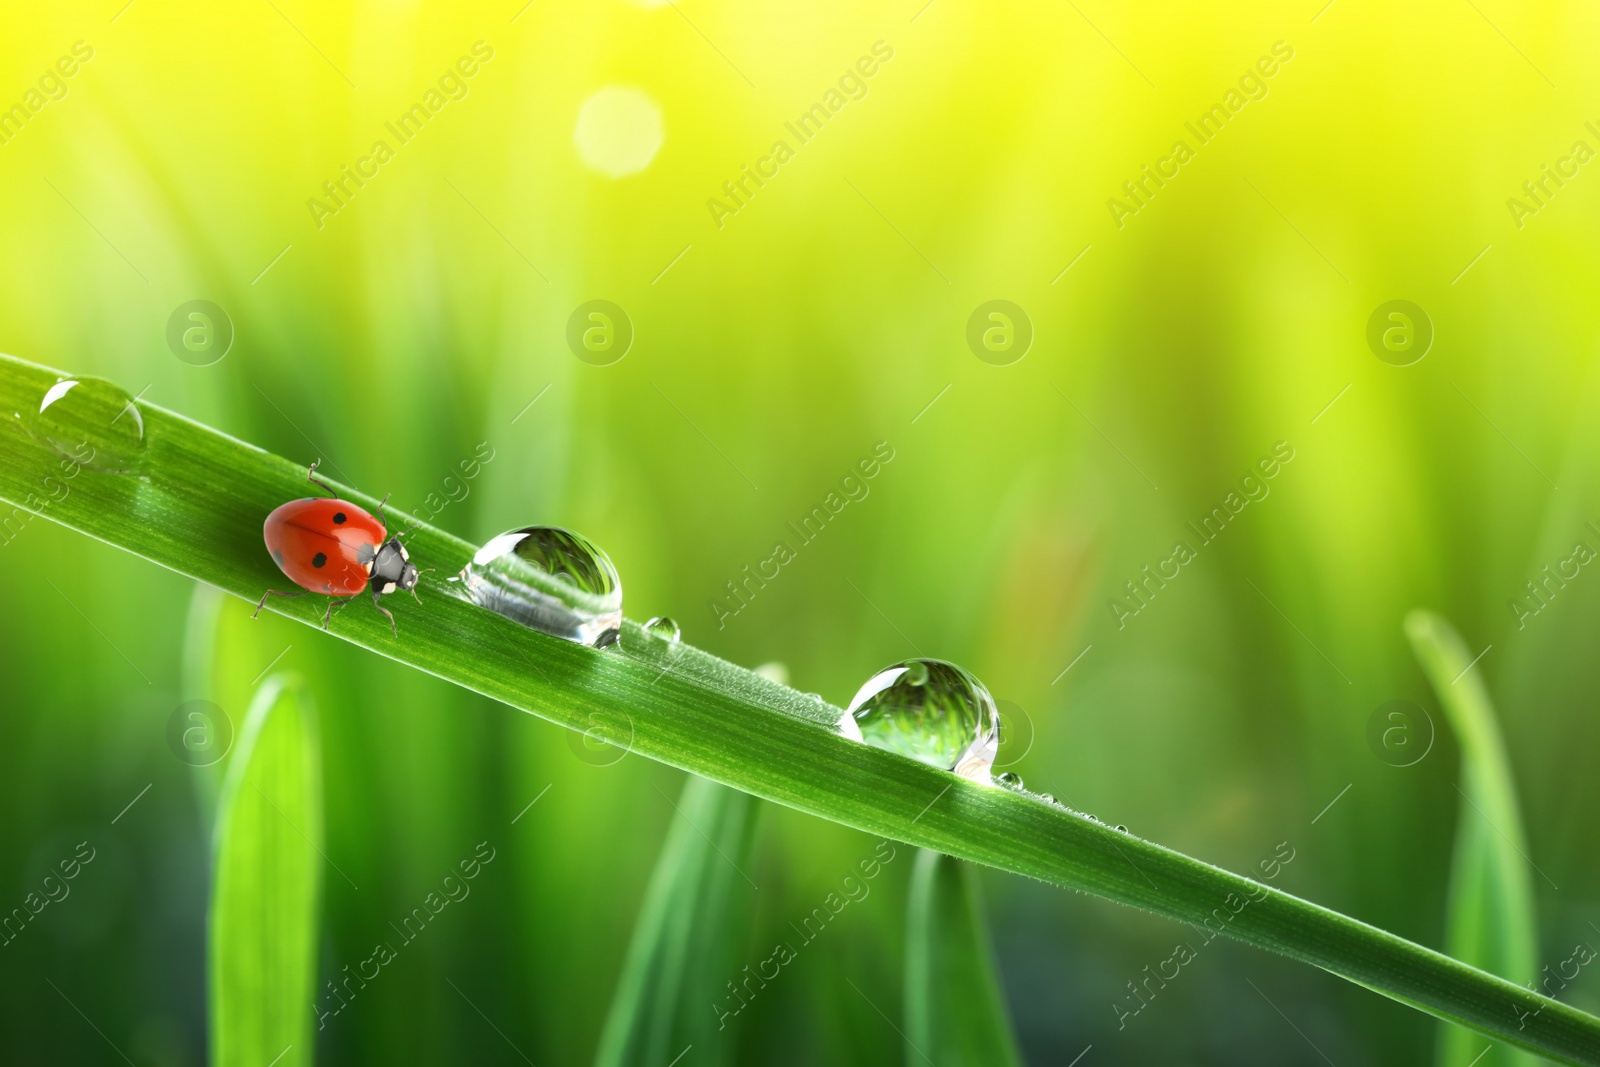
<point>224,653</point>
<point>955,1013</point>
<point>1490,922</point>
<point>195,500</point>
<point>687,938</point>
<point>262,942</point>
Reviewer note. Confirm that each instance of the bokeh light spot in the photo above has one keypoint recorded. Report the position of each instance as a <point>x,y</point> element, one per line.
<point>619,131</point>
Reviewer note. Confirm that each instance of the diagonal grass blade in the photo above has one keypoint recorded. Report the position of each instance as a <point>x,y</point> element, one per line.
<point>192,499</point>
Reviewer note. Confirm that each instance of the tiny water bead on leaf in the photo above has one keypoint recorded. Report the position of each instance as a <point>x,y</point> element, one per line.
<point>548,579</point>
<point>657,644</point>
<point>91,422</point>
<point>930,710</point>
<point>664,626</point>
<point>1009,779</point>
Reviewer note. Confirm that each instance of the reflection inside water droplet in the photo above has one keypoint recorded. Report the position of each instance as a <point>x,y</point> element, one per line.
<point>548,579</point>
<point>930,710</point>
<point>664,626</point>
<point>90,422</point>
<point>1009,779</point>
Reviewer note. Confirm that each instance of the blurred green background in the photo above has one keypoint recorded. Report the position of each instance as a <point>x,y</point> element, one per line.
<point>773,348</point>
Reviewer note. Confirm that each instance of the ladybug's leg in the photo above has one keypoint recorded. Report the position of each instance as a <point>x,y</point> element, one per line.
<point>327,616</point>
<point>273,592</point>
<point>392,627</point>
<point>310,477</point>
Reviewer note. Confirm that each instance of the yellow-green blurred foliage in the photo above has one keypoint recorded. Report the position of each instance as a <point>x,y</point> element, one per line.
<point>775,346</point>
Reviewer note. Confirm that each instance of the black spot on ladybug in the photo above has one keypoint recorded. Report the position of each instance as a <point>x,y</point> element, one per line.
<point>320,559</point>
<point>338,518</point>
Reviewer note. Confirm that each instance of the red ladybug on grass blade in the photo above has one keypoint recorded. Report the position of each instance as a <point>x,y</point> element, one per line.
<point>328,545</point>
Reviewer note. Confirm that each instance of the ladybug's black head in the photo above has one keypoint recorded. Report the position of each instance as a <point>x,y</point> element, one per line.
<point>392,568</point>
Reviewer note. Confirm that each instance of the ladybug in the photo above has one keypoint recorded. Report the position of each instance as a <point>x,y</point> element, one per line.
<point>328,545</point>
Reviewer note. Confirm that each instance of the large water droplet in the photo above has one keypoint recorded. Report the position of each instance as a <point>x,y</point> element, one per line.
<point>1009,779</point>
<point>548,579</point>
<point>664,626</point>
<point>90,421</point>
<point>929,710</point>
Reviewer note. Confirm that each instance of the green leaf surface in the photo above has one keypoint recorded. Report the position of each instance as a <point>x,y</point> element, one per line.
<point>193,500</point>
<point>1490,921</point>
<point>955,1013</point>
<point>262,938</point>
<point>687,937</point>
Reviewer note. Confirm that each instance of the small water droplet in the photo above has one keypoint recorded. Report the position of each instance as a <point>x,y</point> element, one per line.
<point>1009,779</point>
<point>774,672</point>
<point>90,421</point>
<point>817,697</point>
<point>664,626</point>
<point>930,710</point>
<point>1091,817</point>
<point>548,579</point>
<point>1121,829</point>
<point>1047,798</point>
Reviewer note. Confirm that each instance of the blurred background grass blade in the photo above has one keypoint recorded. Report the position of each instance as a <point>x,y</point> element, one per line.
<point>262,947</point>
<point>955,1009</point>
<point>226,654</point>
<point>691,926</point>
<point>1490,919</point>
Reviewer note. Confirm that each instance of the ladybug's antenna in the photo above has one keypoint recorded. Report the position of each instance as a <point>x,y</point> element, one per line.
<point>310,477</point>
<point>381,516</point>
<point>425,570</point>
